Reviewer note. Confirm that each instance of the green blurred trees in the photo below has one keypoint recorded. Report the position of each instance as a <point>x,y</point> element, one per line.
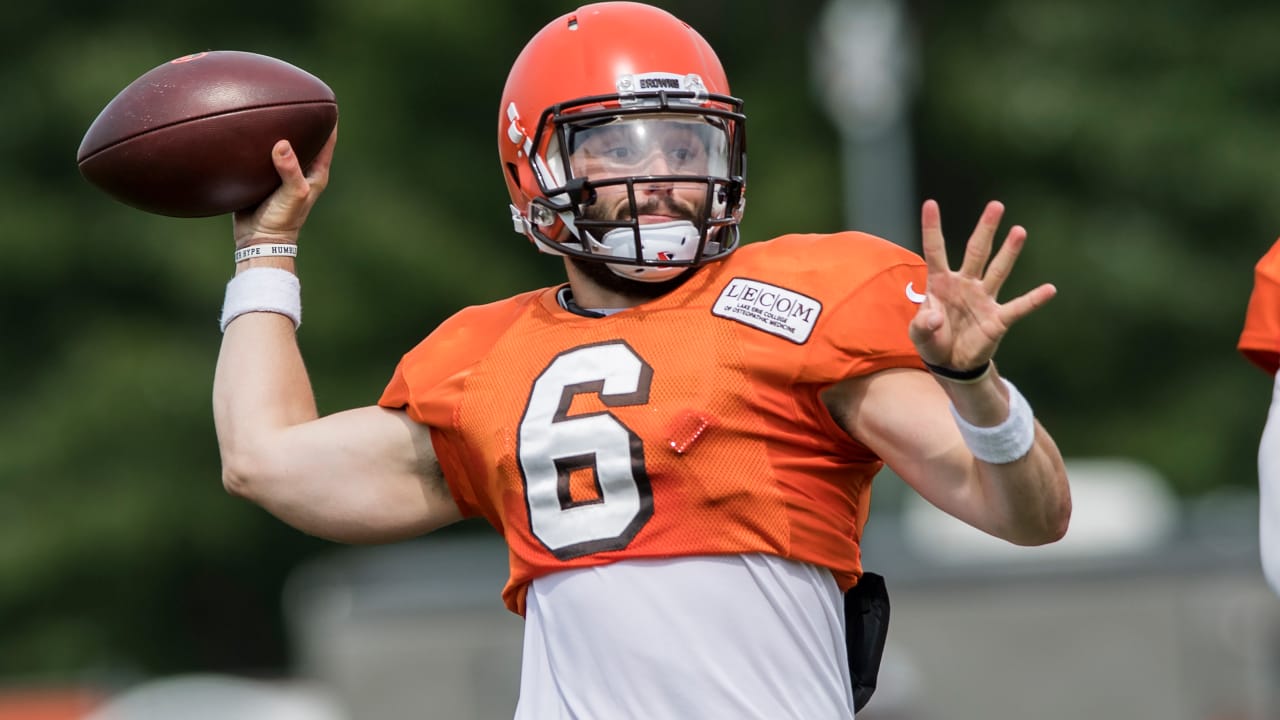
<point>1135,147</point>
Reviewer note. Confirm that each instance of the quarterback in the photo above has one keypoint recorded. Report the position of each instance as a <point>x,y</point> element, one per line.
<point>678,443</point>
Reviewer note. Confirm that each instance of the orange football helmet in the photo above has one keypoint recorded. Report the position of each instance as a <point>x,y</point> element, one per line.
<point>606,112</point>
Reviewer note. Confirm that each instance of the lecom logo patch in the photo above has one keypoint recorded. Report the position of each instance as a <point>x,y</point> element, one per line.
<point>775,310</point>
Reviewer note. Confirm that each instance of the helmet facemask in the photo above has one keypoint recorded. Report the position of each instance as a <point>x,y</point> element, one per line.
<point>649,183</point>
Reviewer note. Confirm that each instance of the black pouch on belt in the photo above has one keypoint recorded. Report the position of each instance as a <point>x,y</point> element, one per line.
<point>866,621</point>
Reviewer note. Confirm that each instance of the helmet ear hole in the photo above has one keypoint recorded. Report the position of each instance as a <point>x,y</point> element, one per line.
<point>514,173</point>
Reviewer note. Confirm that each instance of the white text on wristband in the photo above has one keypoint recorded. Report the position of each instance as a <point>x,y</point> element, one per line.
<point>266,250</point>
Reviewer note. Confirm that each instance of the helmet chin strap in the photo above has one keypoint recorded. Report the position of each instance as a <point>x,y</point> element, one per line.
<point>645,274</point>
<point>674,240</point>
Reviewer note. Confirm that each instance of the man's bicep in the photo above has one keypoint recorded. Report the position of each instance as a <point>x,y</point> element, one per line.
<point>363,475</point>
<point>903,417</point>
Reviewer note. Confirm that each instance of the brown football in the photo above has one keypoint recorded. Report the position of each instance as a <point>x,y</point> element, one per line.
<point>193,137</point>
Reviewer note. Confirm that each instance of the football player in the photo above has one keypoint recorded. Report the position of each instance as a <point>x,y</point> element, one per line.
<point>678,444</point>
<point>1260,343</point>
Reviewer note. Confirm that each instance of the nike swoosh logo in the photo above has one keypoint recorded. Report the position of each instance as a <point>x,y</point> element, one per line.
<point>914,296</point>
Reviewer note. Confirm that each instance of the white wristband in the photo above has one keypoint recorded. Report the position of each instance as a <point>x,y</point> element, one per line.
<point>266,250</point>
<point>263,290</point>
<point>1010,440</point>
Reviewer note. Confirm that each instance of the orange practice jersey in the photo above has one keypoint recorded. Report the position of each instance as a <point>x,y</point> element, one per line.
<point>690,425</point>
<point>1260,339</point>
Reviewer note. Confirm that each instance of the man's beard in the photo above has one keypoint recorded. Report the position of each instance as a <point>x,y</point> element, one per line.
<point>638,290</point>
<point>599,272</point>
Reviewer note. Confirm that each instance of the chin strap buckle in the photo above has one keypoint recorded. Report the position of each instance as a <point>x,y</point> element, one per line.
<point>518,221</point>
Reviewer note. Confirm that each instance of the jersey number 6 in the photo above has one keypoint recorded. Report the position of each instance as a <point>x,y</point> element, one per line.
<point>553,445</point>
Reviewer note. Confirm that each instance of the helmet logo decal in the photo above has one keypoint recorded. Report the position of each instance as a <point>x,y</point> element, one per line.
<point>628,85</point>
<point>516,132</point>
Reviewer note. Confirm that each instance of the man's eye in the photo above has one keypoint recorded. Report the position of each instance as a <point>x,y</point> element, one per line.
<point>618,152</point>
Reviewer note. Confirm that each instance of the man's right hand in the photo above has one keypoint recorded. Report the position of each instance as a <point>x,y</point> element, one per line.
<point>280,217</point>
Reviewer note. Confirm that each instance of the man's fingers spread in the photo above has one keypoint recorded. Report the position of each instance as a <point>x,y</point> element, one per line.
<point>1002,264</point>
<point>1027,303</point>
<point>931,242</point>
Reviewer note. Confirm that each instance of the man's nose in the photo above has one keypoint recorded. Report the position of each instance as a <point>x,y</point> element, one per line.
<point>657,163</point>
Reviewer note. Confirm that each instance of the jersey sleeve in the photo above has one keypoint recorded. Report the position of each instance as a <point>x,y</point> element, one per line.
<point>875,288</point>
<point>429,382</point>
<point>1260,338</point>
<point>432,406</point>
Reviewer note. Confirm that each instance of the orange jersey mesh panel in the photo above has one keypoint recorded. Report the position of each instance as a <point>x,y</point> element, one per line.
<point>692,425</point>
<point>719,496</point>
<point>1260,339</point>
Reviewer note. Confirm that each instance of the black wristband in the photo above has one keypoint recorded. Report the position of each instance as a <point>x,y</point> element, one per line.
<point>958,375</point>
